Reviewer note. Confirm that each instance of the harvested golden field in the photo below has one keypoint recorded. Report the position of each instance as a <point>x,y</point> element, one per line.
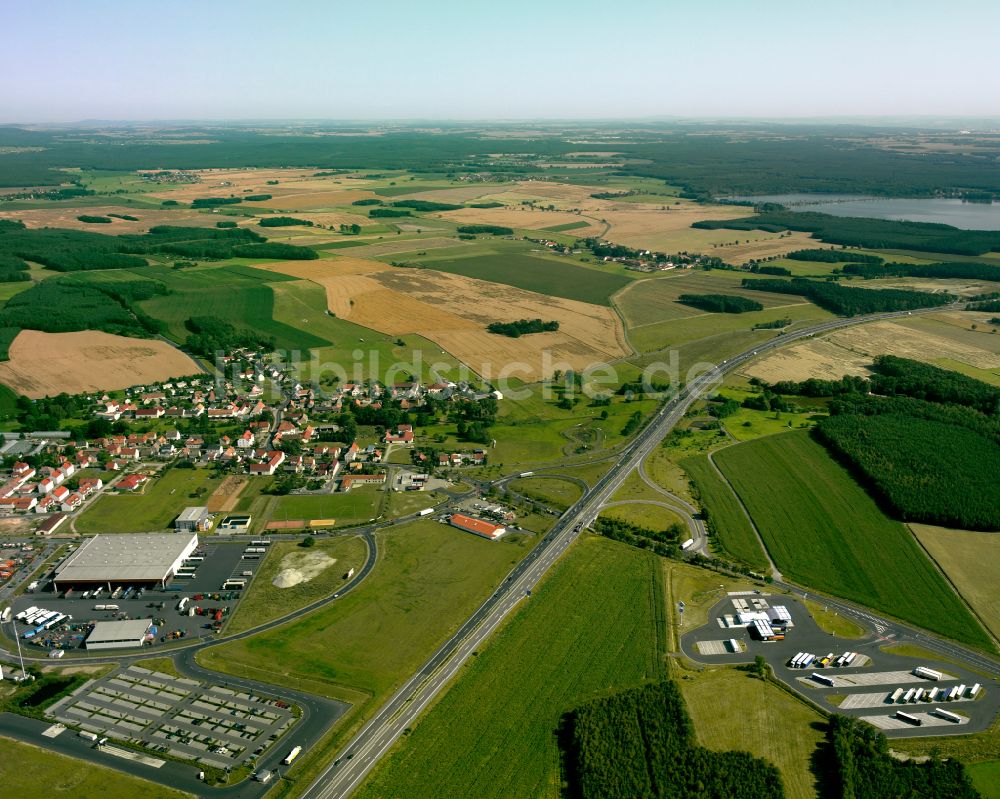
<point>963,288</point>
<point>226,182</point>
<point>459,194</point>
<point>65,217</point>
<point>406,245</point>
<point>765,245</point>
<point>851,350</point>
<point>820,358</point>
<point>453,311</point>
<point>972,562</point>
<point>46,364</point>
<point>323,268</point>
<point>225,497</point>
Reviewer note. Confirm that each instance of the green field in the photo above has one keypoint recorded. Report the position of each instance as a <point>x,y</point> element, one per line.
<point>265,601</point>
<point>428,579</point>
<point>165,496</point>
<point>654,517</point>
<point>28,771</point>
<point>986,778</point>
<point>596,625</point>
<point>358,505</point>
<point>237,294</point>
<point>732,710</point>
<point>549,276</point>
<point>732,534</point>
<point>824,531</point>
<point>551,491</point>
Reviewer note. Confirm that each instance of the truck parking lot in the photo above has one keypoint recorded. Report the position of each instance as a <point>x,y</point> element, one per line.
<point>847,687</point>
<point>210,724</point>
<point>192,606</point>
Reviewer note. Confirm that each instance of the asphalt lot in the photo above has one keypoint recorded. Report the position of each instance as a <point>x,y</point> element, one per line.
<point>885,671</point>
<point>222,561</point>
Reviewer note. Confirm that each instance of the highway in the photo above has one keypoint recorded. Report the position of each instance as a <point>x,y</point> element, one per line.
<point>403,708</point>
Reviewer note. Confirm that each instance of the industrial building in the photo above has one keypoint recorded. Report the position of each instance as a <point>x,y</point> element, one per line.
<point>108,560</point>
<point>478,526</point>
<point>193,520</point>
<point>118,634</point>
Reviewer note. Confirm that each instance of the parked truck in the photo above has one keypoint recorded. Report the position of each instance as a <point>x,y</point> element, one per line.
<point>292,755</point>
<point>927,674</point>
<point>688,544</point>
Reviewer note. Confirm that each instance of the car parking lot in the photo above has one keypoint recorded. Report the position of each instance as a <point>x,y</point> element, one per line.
<point>210,724</point>
<point>204,612</point>
<point>848,689</point>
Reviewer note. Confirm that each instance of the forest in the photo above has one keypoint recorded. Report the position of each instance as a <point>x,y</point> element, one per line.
<point>833,257</point>
<point>720,303</point>
<point>283,221</point>
<point>869,233</point>
<point>388,213</point>
<point>969,270</point>
<point>640,743</point>
<point>425,205</point>
<point>522,327</point>
<point>905,377</point>
<point>849,300</point>
<point>60,305</point>
<point>865,769</point>
<point>496,230</point>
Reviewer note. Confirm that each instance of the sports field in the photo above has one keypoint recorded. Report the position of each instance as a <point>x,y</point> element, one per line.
<point>596,625</point>
<point>28,771</point>
<point>428,579</point>
<point>825,532</point>
<point>972,562</point>
<point>154,508</point>
<point>358,505</point>
<point>731,530</point>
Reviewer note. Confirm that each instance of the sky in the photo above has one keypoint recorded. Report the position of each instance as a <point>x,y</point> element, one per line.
<point>68,60</point>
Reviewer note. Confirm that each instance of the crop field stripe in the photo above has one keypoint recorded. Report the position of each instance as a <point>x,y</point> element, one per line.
<point>824,531</point>
<point>543,275</point>
<point>732,530</point>
<point>595,625</point>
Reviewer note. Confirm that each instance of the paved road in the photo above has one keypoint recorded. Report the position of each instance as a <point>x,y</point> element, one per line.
<point>371,742</point>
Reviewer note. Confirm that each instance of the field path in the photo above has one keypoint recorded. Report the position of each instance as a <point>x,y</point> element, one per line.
<point>774,569</point>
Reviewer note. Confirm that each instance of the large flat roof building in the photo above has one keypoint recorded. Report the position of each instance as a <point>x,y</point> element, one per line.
<point>144,558</point>
<point>193,520</point>
<point>118,634</point>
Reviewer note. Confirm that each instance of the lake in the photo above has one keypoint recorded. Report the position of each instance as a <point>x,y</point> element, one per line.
<point>958,213</point>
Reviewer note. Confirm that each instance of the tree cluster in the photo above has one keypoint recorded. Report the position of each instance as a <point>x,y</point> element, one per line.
<point>388,213</point>
<point>495,230</point>
<point>865,769</point>
<point>849,300</point>
<point>641,743</point>
<point>969,270</point>
<point>833,256</point>
<point>522,327</point>
<point>720,303</point>
<point>210,335</point>
<point>283,221</point>
<point>425,205</point>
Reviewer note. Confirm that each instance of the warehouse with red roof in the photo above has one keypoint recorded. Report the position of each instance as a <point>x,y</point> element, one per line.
<point>478,526</point>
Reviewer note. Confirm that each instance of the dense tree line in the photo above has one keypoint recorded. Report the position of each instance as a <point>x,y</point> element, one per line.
<point>90,219</point>
<point>61,306</point>
<point>664,542</point>
<point>257,198</point>
<point>640,743</point>
<point>495,230</point>
<point>486,205</point>
<point>849,300</point>
<point>766,269</point>
<point>368,201</point>
<point>210,336</point>
<point>283,221</point>
<point>212,202</point>
<point>522,327</point>
<point>277,250</point>
<point>425,205</point>
<point>815,387</point>
<point>865,769</point>
<point>868,233</point>
<point>720,303</point>
<point>985,305</point>
<point>908,378</point>
<point>388,213</point>
<point>925,470</point>
<point>827,256</point>
<point>961,269</point>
